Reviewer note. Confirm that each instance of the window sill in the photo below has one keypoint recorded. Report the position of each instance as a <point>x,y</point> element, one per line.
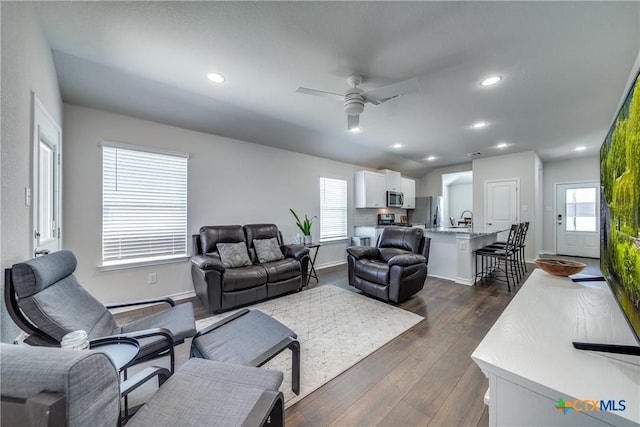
<point>141,262</point>
<point>334,241</point>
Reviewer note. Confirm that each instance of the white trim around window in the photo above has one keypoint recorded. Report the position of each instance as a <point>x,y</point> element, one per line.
<point>144,206</point>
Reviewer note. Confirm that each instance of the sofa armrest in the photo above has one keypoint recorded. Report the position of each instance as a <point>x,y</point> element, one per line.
<point>294,251</point>
<point>206,262</point>
<point>359,252</point>
<point>406,260</point>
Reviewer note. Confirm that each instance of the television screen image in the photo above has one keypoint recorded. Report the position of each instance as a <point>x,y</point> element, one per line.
<point>620,207</point>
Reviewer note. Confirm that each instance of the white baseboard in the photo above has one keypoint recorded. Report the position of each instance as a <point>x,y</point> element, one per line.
<point>330,264</point>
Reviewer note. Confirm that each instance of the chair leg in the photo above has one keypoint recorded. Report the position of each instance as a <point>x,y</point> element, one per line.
<point>295,366</point>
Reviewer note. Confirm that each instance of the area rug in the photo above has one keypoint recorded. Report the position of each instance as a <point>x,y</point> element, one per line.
<point>336,328</point>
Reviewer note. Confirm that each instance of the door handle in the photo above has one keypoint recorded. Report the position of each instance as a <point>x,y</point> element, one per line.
<point>41,252</point>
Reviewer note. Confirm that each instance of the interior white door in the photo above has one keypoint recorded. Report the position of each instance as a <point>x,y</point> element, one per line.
<point>501,204</point>
<point>46,181</point>
<point>578,219</point>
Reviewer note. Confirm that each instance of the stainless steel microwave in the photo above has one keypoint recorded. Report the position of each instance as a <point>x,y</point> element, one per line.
<point>395,199</point>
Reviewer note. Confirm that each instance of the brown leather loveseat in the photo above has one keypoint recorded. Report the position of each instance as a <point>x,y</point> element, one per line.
<point>234,265</point>
<point>395,269</point>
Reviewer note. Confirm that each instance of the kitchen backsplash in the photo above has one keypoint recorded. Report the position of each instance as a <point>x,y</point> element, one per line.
<point>370,216</point>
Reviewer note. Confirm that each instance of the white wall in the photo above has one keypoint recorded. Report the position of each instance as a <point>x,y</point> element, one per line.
<point>524,166</point>
<point>431,183</point>
<point>230,182</point>
<point>27,65</point>
<point>460,198</point>
<point>563,172</point>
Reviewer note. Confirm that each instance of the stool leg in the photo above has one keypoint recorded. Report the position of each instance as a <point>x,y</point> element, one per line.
<point>295,366</point>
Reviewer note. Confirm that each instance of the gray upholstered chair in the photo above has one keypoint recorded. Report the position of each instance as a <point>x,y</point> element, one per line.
<point>395,269</point>
<point>45,299</point>
<point>53,386</point>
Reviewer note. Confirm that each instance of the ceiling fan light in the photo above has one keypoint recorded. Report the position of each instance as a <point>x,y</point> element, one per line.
<point>353,123</point>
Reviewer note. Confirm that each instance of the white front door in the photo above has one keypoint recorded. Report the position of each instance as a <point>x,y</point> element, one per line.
<point>578,219</point>
<point>501,204</point>
<point>46,181</point>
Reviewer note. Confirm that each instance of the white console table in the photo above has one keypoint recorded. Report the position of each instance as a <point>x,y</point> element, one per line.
<point>530,361</point>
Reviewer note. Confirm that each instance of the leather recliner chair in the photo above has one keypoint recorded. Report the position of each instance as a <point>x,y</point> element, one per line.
<point>394,270</point>
<point>220,288</point>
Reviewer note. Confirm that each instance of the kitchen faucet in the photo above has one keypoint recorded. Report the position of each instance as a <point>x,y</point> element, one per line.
<point>462,217</point>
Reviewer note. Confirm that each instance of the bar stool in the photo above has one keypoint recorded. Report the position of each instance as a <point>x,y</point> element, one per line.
<point>495,256</point>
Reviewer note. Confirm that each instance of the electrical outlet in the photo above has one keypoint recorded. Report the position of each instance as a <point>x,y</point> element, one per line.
<point>153,278</point>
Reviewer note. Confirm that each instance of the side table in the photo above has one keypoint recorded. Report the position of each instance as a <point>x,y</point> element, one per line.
<point>312,259</point>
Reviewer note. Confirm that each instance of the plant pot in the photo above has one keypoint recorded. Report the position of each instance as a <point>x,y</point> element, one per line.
<point>307,239</point>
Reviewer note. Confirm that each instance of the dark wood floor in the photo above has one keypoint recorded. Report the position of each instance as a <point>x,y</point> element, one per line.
<point>425,377</point>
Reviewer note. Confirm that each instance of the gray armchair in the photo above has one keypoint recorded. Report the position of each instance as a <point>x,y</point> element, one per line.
<point>45,299</point>
<point>394,270</point>
<point>51,386</point>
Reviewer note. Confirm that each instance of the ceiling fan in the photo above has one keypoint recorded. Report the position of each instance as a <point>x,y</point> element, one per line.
<point>355,98</point>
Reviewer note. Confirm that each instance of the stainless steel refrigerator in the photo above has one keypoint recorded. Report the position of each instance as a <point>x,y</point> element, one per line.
<point>428,211</point>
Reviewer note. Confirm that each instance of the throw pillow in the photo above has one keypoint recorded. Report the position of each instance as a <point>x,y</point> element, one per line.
<point>268,250</point>
<point>233,254</point>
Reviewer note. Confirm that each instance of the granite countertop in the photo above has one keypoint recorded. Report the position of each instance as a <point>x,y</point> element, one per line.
<point>462,230</point>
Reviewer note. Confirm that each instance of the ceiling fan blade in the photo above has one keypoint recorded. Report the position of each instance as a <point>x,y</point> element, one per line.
<point>386,93</point>
<point>314,92</point>
<point>353,122</point>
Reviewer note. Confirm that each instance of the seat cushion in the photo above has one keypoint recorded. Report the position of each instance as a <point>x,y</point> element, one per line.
<point>178,319</point>
<point>51,297</point>
<point>284,269</point>
<point>207,393</point>
<point>372,270</point>
<point>235,279</point>
<point>243,340</point>
<point>88,379</point>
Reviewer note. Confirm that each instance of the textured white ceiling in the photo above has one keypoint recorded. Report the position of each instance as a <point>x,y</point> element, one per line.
<point>565,65</point>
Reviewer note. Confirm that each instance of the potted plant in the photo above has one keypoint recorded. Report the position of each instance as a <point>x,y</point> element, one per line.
<point>304,226</point>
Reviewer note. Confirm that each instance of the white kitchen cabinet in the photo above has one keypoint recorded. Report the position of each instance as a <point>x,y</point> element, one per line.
<point>409,190</point>
<point>393,180</point>
<point>370,190</point>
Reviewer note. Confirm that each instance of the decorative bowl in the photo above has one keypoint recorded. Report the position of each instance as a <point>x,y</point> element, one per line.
<point>560,267</point>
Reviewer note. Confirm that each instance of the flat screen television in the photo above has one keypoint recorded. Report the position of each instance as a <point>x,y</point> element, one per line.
<point>620,216</point>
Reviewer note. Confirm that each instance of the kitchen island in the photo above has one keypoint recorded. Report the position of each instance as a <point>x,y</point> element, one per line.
<point>452,254</point>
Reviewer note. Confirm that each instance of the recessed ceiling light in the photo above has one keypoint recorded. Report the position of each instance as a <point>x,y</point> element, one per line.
<point>479,125</point>
<point>431,158</point>
<point>397,145</point>
<point>502,145</point>
<point>490,81</point>
<point>581,148</point>
<point>216,77</point>
<point>354,129</point>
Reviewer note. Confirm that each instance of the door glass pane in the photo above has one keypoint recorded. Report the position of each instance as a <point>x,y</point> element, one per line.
<point>580,212</point>
<point>46,220</point>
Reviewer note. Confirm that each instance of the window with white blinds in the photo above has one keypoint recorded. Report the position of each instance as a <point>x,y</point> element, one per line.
<point>144,205</point>
<point>333,209</point>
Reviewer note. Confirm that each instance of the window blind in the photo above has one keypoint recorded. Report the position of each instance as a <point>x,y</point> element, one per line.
<point>144,205</point>
<point>333,209</point>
